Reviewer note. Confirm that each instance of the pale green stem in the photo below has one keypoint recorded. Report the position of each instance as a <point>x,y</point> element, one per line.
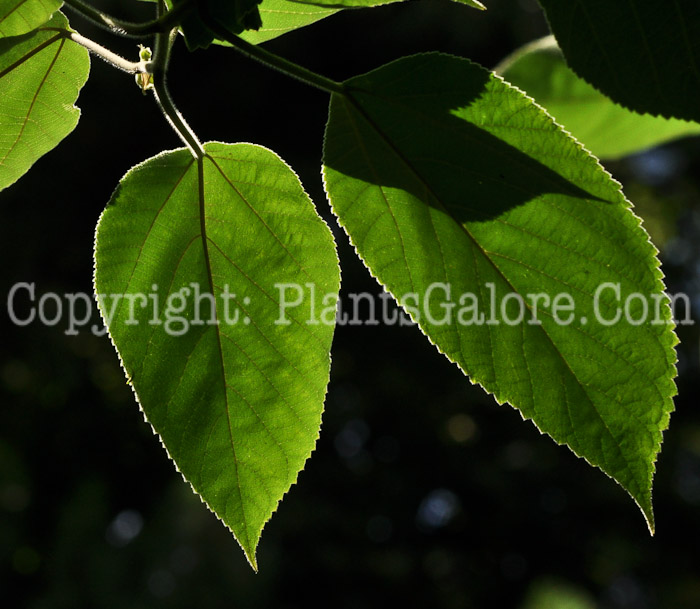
<point>133,67</point>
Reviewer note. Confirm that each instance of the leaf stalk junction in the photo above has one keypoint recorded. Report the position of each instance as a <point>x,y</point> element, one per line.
<point>165,28</point>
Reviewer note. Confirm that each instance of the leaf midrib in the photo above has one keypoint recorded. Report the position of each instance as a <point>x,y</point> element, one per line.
<point>424,182</point>
<point>207,262</point>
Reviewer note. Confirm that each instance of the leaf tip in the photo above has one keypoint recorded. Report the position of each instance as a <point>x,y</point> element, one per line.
<point>251,557</point>
<point>648,512</point>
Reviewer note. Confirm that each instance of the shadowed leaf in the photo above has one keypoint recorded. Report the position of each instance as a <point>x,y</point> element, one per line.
<point>644,55</point>
<point>606,129</point>
<point>476,211</point>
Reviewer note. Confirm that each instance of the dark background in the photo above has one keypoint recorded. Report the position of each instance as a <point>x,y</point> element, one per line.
<point>422,492</point>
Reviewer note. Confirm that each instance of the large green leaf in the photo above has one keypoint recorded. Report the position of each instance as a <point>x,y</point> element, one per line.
<point>21,16</point>
<point>445,177</point>
<point>643,54</point>
<point>41,74</point>
<point>282,16</point>
<point>237,401</point>
<point>607,129</point>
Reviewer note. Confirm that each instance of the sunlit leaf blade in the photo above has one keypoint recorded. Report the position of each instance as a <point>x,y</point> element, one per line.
<point>278,17</point>
<point>21,16</point>
<point>282,16</point>
<point>642,54</point>
<point>444,176</point>
<point>370,3</point>
<point>607,129</point>
<point>41,74</point>
<point>347,3</point>
<point>474,4</point>
<point>237,403</point>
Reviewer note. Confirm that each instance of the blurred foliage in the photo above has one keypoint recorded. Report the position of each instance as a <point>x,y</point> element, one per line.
<point>422,492</point>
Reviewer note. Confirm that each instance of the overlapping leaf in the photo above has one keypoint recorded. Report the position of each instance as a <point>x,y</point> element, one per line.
<point>278,17</point>
<point>21,16</point>
<point>346,3</point>
<point>41,74</point>
<point>486,221</point>
<point>644,55</point>
<point>370,3</point>
<point>232,381</point>
<point>234,15</point>
<point>282,16</point>
<point>607,129</point>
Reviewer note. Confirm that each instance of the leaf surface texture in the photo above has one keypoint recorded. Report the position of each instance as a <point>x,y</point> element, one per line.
<point>235,396</point>
<point>446,178</point>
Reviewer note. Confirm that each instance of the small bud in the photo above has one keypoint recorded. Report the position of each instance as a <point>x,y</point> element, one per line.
<point>144,80</point>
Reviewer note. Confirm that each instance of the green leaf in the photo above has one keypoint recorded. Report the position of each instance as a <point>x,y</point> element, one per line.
<point>41,74</point>
<point>607,129</point>
<point>446,177</point>
<point>236,396</point>
<point>278,17</point>
<point>21,16</point>
<point>370,3</point>
<point>473,4</point>
<point>340,4</point>
<point>644,55</point>
<point>235,15</point>
<point>282,16</point>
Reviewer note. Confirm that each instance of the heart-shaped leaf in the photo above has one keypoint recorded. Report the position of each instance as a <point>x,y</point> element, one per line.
<point>212,275</point>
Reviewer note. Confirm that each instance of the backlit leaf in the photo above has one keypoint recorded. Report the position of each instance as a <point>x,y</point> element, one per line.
<point>232,381</point>
<point>607,129</point>
<point>370,3</point>
<point>41,74</point>
<point>282,16</point>
<point>642,54</point>
<point>21,16</point>
<point>465,200</point>
<point>278,17</point>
